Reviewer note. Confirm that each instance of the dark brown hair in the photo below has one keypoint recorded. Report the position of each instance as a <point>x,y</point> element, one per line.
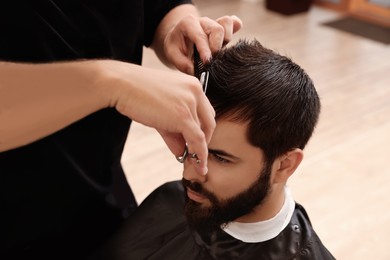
<point>250,83</point>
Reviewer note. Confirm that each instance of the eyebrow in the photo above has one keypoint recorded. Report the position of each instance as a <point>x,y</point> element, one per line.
<point>223,153</point>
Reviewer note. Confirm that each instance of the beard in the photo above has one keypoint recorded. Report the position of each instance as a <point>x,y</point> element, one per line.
<point>221,212</point>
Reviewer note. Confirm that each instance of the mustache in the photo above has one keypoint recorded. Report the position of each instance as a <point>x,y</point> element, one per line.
<point>195,186</point>
<point>198,188</point>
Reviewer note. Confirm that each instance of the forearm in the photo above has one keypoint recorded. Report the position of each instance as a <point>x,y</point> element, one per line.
<point>167,23</point>
<point>37,100</point>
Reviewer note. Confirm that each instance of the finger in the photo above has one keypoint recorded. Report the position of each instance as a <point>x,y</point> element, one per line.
<point>231,25</point>
<point>227,23</point>
<point>215,32</point>
<point>191,28</point>
<point>206,115</point>
<point>181,53</point>
<point>182,62</point>
<point>197,144</point>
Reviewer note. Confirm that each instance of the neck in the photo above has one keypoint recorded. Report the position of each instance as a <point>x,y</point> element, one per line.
<point>271,205</point>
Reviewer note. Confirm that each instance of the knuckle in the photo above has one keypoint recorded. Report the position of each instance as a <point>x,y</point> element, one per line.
<point>213,113</point>
<point>202,35</point>
<point>219,29</point>
<point>189,19</point>
<point>184,115</point>
<point>213,125</point>
<point>199,137</point>
<point>195,86</point>
<point>209,129</point>
<point>223,18</point>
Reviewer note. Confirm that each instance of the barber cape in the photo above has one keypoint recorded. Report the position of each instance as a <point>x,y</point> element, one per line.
<point>158,231</point>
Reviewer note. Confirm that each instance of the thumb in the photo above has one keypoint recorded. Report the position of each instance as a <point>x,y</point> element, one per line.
<point>183,63</point>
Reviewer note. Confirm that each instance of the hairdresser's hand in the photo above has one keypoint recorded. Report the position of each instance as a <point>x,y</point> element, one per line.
<point>208,35</point>
<point>170,101</point>
<point>182,27</point>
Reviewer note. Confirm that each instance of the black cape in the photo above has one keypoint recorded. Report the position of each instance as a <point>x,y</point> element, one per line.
<point>158,231</point>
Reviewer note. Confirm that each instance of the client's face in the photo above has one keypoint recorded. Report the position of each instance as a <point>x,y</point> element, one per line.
<point>237,181</point>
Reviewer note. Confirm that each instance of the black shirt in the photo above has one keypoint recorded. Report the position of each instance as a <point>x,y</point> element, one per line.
<point>67,191</point>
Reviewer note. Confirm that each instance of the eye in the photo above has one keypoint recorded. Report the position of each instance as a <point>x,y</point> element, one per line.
<point>219,158</point>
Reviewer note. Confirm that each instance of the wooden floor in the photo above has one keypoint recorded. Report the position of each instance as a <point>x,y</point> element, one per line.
<point>344,181</point>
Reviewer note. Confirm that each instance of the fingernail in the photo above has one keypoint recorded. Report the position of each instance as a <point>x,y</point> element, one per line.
<point>208,57</point>
<point>205,170</point>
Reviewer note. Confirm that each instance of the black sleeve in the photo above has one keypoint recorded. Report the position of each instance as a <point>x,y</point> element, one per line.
<point>155,10</point>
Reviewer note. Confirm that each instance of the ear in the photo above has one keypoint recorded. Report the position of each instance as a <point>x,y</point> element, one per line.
<point>287,164</point>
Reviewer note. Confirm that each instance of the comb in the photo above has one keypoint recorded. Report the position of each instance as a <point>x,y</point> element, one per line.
<point>199,70</point>
<point>198,64</point>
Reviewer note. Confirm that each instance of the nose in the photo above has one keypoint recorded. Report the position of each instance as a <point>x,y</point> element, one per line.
<point>190,173</point>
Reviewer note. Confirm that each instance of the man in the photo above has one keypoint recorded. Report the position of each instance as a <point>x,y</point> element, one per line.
<point>266,110</point>
<point>70,81</point>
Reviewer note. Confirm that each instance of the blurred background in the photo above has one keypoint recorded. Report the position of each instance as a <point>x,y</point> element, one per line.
<point>344,180</point>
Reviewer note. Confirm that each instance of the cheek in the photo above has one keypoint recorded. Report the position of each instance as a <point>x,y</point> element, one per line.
<point>227,183</point>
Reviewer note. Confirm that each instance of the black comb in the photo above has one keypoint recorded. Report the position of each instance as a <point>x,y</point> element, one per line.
<point>199,70</point>
<point>198,64</point>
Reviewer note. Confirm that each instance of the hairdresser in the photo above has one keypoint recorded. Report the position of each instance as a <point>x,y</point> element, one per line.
<point>70,84</point>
